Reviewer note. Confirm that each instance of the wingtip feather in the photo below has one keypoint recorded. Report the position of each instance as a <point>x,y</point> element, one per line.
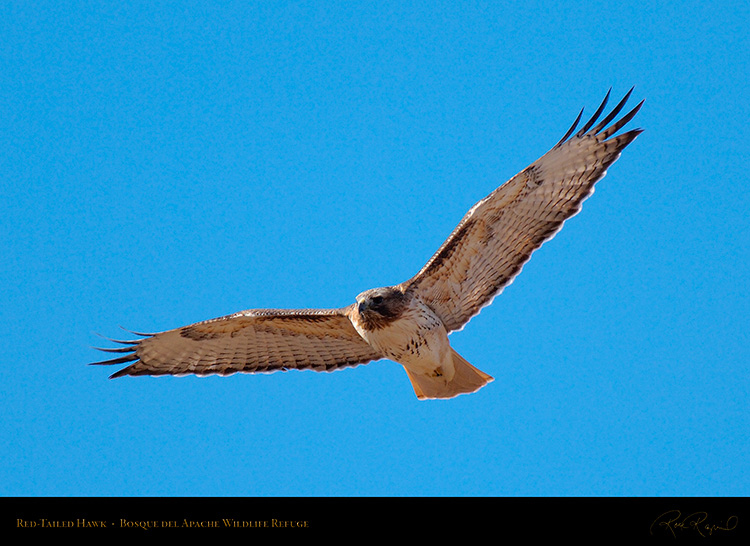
<point>570,131</point>
<point>587,127</point>
<point>596,115</point>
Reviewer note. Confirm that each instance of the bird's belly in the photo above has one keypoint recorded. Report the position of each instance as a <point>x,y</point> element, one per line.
<point>421,348</point>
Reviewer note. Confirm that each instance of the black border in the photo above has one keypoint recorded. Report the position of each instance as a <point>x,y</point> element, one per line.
<point>600,519</point>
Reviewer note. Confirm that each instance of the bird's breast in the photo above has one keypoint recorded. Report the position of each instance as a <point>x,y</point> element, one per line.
<point>417,335</point>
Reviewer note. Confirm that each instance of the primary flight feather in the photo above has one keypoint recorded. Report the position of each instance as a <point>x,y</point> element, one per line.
<point>408,323</point>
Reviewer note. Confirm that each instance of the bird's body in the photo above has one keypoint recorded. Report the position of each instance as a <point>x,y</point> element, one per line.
<point>416,338</point>
<point>408,331</point>
<point>408,323</point>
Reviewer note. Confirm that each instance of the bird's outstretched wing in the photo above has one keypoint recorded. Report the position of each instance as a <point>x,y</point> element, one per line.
<point>496,237</point>
<point>259,340</point>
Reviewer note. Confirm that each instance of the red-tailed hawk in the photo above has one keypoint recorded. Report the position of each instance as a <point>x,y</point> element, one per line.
<point>408,323</point>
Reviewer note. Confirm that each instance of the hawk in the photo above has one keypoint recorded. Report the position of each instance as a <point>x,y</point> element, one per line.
<point>409,322</point>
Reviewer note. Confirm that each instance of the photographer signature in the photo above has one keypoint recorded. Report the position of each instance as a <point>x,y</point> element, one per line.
<point>696,522</point>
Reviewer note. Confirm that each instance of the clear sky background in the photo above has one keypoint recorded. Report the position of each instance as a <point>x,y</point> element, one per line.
<point>166,163</point>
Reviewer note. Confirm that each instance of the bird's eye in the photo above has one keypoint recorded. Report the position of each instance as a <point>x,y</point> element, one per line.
<point>377,300</point>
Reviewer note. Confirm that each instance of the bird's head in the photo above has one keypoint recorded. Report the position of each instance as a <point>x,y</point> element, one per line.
<point>379,306</point>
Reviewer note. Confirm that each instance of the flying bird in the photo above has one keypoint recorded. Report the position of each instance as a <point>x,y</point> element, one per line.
<point>409,322</point>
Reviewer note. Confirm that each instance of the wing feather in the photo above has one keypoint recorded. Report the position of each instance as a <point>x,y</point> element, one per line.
<point>254,341</point>
<point>497,236</point>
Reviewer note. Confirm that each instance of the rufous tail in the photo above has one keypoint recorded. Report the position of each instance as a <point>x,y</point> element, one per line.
<point>467,379</point>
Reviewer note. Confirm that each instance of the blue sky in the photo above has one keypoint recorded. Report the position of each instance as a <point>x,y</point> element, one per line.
<point>167,163</point>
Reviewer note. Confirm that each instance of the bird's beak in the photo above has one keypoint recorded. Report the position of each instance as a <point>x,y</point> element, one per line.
<point>362,307</point>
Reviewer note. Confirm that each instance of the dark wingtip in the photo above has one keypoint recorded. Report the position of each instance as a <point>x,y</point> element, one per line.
<point>572,128</point>
<point>622,121</point>
<point>121,360</point>
<point>613,113</point>
<point>600,128</point>
<point>115,350</point>
<point>142,334</point>
<point>627,138</point>
<point>120,373</point>
<point>120,341</point>
<point>128,353</point>
<point>596,115</point>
